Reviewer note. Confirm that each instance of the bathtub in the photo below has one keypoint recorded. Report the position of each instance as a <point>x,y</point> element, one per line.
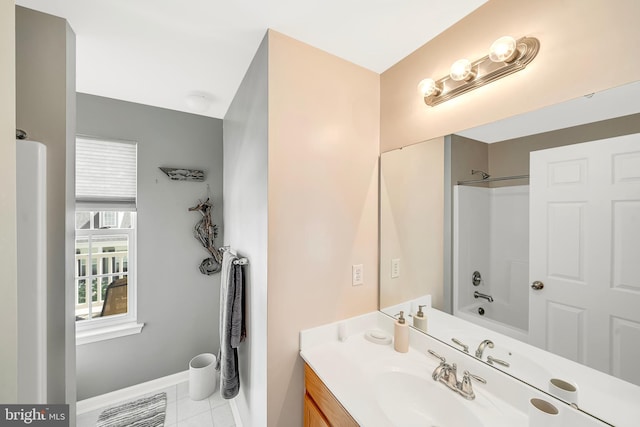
<point>499,317</point>
<point>491,237</point>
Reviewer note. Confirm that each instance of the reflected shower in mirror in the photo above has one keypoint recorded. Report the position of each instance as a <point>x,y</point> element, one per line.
<point>549,260</point>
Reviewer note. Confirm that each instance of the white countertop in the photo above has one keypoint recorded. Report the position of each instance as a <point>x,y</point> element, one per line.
<point>352,369</point>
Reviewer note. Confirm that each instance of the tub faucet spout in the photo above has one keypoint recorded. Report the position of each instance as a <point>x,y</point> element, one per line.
<point>477,294</point>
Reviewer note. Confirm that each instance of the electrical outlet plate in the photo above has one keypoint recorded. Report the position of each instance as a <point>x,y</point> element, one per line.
<point>357,275</point>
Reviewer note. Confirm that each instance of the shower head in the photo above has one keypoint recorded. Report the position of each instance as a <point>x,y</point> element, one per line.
<point>484,174</point>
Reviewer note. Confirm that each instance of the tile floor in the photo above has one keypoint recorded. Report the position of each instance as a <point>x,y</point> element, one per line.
<point>181,410</point>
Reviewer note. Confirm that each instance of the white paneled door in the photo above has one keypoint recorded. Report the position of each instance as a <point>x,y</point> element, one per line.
<point>585,250</point>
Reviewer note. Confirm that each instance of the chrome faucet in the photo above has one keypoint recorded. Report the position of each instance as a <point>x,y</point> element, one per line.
<point>450,376</point>
<point>466,389</point>
<point>465,347</point>
<point>491,360</point>
<point>481,347</point>
<point>477,294</point>
<point>438,372</point>
<point>447,375</point>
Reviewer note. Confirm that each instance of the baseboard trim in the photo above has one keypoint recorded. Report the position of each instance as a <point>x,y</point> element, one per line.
<point>235,412</point>
<point>128,393</point>
<point>111,398</point>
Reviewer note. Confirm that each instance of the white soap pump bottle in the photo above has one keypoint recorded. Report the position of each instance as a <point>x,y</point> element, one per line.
<point>401,334</point>
<point>420,320</point>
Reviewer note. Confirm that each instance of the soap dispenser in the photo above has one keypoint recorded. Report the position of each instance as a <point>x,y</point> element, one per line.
<point>420,320</point>
<point>401,334</point>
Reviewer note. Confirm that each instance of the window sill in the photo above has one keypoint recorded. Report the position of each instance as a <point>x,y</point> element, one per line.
<point>108,332</point>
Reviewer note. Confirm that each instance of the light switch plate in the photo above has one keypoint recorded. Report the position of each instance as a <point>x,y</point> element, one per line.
<point>395,268</point>
<point>357,275</point>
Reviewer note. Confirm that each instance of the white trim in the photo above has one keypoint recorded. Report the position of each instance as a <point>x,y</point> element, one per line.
<point>106,205</point>
<point>103,326</point>
<point>135,391</point>
<point>236,413</point>
<point>108,332</point>
<point>128,393</point>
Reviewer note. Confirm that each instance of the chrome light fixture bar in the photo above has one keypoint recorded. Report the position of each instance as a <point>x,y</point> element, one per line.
<point>506,56</point>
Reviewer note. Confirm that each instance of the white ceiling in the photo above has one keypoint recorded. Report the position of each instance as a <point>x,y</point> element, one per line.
<point>156,52</point>
<point>608,104</point>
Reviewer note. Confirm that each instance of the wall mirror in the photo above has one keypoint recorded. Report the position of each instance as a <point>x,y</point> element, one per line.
<point>539,243</point>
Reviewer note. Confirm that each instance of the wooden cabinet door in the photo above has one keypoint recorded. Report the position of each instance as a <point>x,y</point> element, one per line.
<point>324,402</point>
<point>312,415</point>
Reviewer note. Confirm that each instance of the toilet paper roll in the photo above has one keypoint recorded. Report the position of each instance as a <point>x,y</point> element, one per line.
<point>564,390</point>
<point>543,414</point>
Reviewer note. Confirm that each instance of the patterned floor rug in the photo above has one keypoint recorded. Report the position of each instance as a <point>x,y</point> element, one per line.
<point>144,412</point>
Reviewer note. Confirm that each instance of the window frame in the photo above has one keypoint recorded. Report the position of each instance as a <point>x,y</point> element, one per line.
<point>130,273</point>
<point>117,325</point>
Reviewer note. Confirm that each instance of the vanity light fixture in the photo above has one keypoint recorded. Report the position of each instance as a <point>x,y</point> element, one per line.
<point>461,70</point>
<point>503,50</point>
<point>506,56</point>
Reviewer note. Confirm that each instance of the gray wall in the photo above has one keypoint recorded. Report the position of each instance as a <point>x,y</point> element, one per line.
<point>45,109</point>
<point>8,284</point>
<point>178,305</point>
<point>467,154</point>
<point>245,218</point>
<point>511,157</point>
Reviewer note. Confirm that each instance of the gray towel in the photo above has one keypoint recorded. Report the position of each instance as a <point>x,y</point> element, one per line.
<point>232,325</point>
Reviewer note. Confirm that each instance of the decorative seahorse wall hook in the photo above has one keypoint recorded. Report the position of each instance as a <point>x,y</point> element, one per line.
<point>205,231</point>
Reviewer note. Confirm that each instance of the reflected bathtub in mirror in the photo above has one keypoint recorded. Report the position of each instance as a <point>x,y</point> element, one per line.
<point>490,234</point>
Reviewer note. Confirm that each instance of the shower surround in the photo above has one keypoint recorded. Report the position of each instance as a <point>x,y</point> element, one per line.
<point>491,236</point>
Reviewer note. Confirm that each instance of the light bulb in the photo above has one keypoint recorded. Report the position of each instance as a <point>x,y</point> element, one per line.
<point>428,87</point>
<point>503,50</point>
<point>461,70</point>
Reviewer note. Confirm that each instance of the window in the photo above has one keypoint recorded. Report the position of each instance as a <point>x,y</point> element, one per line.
<point>108,219</point>
<point>105,279</point>
<point>102,258</point>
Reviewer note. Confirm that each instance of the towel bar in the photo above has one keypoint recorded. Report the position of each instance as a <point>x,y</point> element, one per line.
<point>239,261</point>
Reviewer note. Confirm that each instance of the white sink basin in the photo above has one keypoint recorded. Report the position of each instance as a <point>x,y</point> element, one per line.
<point>410,400</point>
<point>383,388</point>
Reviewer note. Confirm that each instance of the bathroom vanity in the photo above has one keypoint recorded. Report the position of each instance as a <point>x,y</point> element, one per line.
<point>352,380</point>
<point>321,408</point>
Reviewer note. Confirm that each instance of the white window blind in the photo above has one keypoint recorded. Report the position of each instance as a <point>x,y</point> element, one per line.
<point>106,174</point>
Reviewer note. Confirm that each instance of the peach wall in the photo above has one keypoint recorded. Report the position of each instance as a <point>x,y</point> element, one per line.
<point>8,262</point>
<point>411,182</point>
<point>586,46</point>
<point>323,205</point>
